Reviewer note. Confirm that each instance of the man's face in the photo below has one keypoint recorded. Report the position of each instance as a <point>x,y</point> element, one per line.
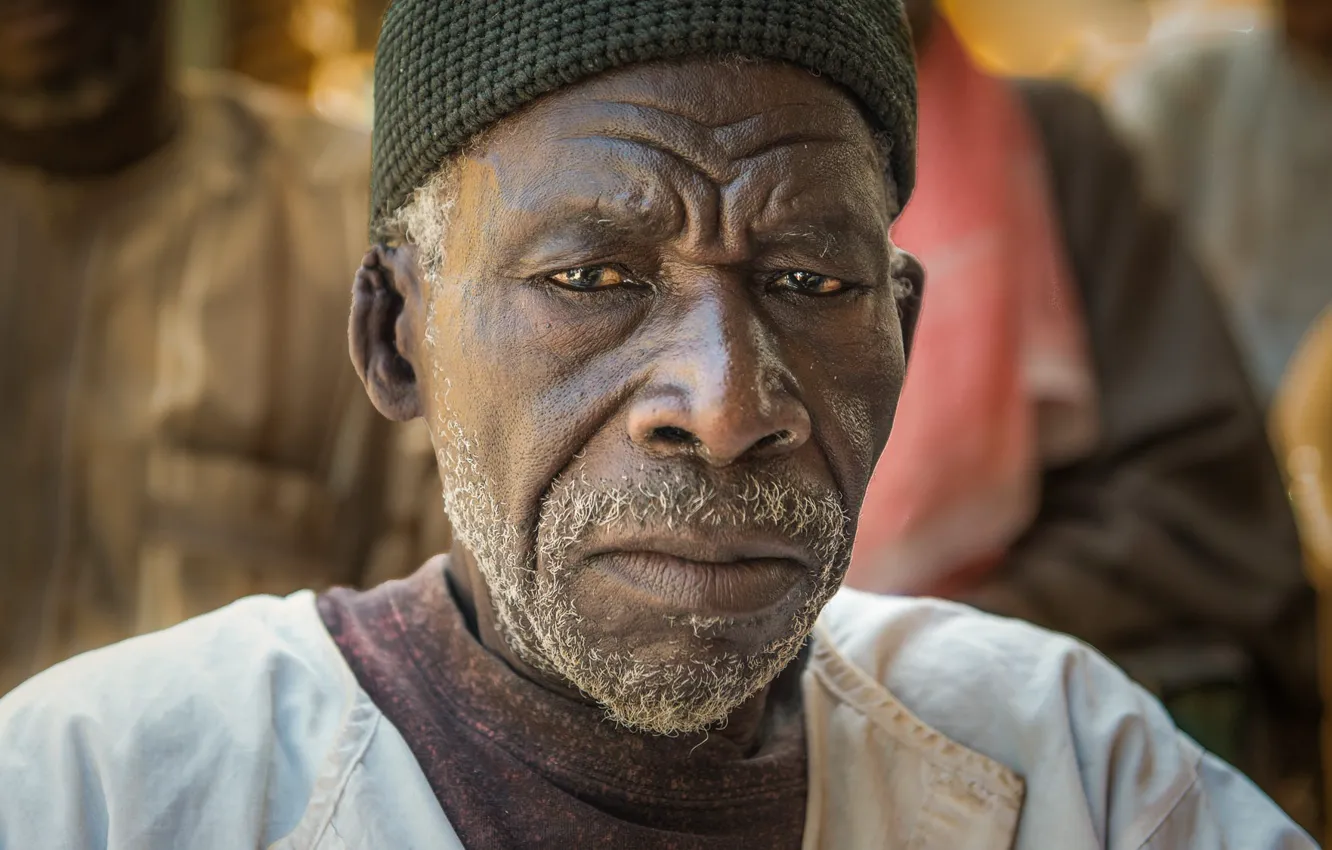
<point>65,61</point>
<point>661,356</point>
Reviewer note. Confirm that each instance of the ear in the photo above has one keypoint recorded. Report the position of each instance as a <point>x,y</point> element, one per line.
<point>909,284</point>
<point>387,299</point>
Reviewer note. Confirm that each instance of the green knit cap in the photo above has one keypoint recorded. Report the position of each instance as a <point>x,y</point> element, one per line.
<point>448,69</point>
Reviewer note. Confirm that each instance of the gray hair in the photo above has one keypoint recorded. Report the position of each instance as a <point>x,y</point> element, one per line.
<point>424,220</point>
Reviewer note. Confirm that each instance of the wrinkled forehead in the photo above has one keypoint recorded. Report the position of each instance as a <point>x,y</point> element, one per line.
<point>767,138</point>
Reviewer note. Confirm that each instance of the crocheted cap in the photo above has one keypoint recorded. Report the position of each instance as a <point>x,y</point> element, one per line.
<point>448,69</point>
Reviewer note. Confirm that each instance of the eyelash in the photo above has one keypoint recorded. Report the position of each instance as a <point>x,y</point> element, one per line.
<point>627,281</point>
<point>845,287</point>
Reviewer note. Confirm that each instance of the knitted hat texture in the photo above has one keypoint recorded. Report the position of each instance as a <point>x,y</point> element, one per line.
<point>448,69</point>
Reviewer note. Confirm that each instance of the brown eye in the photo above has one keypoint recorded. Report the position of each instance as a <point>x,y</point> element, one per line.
<point>588,278</point>
<point>809,283</point>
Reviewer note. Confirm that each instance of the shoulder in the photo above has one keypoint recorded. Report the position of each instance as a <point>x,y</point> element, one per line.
<point>1102,763</point>
<point>1098,755</point>
<point>132,739</point>
<point>935,655</point>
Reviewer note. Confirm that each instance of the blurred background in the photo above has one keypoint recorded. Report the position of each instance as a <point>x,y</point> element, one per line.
<point>324,49</point>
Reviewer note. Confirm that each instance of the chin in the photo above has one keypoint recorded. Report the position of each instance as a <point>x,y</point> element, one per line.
<point>658,668</point>
<point>687,686</point>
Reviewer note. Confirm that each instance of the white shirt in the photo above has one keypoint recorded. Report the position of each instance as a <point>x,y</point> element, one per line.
<point>930,726</point>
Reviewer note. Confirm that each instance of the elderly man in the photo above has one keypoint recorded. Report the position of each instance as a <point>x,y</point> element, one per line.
<point>176,431</point>
<point>634,273</point>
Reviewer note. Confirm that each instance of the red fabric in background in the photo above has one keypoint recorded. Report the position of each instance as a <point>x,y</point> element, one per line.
<point>999,380</point>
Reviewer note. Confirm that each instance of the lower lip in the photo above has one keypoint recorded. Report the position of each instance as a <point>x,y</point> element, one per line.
<point>734,589</point>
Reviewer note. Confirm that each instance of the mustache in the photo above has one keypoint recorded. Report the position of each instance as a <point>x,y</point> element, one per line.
<point>777,501</point>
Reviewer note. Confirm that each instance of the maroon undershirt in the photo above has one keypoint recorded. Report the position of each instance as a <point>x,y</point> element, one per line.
<point>515,765</point>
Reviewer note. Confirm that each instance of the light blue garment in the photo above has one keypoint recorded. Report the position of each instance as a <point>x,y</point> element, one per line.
<point>245,728</point>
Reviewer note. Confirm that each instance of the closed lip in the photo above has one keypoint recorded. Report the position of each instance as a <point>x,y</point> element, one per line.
<point>687,573</point>
<point>703,549</point>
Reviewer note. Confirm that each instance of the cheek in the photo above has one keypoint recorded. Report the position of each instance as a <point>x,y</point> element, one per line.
<point>527,382</point>
<point>565,331</point>
<point>852,382</point>
<point>469,382</point>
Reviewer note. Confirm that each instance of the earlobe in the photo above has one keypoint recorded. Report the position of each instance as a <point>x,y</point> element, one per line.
<point>909,286</point>
<point>385,284</point>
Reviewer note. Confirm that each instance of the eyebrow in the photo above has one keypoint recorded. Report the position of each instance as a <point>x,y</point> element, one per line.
<point>822,240</point>
<point>790,140</point>
<point>567,237</point>
<point>852,245</point>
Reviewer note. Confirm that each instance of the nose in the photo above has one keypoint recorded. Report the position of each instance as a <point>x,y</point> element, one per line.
<point>721,394</point>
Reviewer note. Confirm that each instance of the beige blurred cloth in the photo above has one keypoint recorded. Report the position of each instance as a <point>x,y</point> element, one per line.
<point>179,422</point>
<point>1235,133</point>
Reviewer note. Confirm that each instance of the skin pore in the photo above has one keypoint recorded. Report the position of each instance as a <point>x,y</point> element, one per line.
<point>658,347</point>
<point>74,71</point>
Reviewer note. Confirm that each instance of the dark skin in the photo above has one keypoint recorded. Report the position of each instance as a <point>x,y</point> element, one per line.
<point>672,264</point>
<point>53,50</point>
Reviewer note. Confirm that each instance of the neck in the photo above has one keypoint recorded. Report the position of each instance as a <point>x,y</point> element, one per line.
<point>143,119</point>
<point>745,727</point>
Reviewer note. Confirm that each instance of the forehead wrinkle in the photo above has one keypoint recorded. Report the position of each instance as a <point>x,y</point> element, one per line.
<point>721,173</point>
<point>679,136</point>
<point>713,151</point>
<point>691,164</point>
<point>700,204</point>
<point>791,124</point>
<point>705,152</point>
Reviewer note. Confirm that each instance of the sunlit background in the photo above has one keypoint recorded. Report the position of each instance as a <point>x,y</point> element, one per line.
<point>324,48</point>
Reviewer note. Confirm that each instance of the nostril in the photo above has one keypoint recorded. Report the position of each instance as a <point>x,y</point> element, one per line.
<point>774,439</point>
<point>673,435</point>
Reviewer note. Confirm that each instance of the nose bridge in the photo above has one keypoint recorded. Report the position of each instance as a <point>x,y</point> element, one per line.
<point>720,394</point>
<point>731,364</point>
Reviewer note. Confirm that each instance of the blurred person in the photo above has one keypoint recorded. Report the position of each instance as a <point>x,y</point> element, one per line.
<point>176,429</point>
<point>1235,131</point>
<point>644,295</point>
<point>1098,464</point>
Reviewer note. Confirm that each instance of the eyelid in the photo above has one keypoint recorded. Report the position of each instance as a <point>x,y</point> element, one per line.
<point>626,279</point>
<point>845,284</point>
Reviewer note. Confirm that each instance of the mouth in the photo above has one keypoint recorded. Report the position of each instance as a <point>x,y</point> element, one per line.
<point>725,578</point>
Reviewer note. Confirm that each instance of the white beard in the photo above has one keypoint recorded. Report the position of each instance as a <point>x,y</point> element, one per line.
<point>539,618</point>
